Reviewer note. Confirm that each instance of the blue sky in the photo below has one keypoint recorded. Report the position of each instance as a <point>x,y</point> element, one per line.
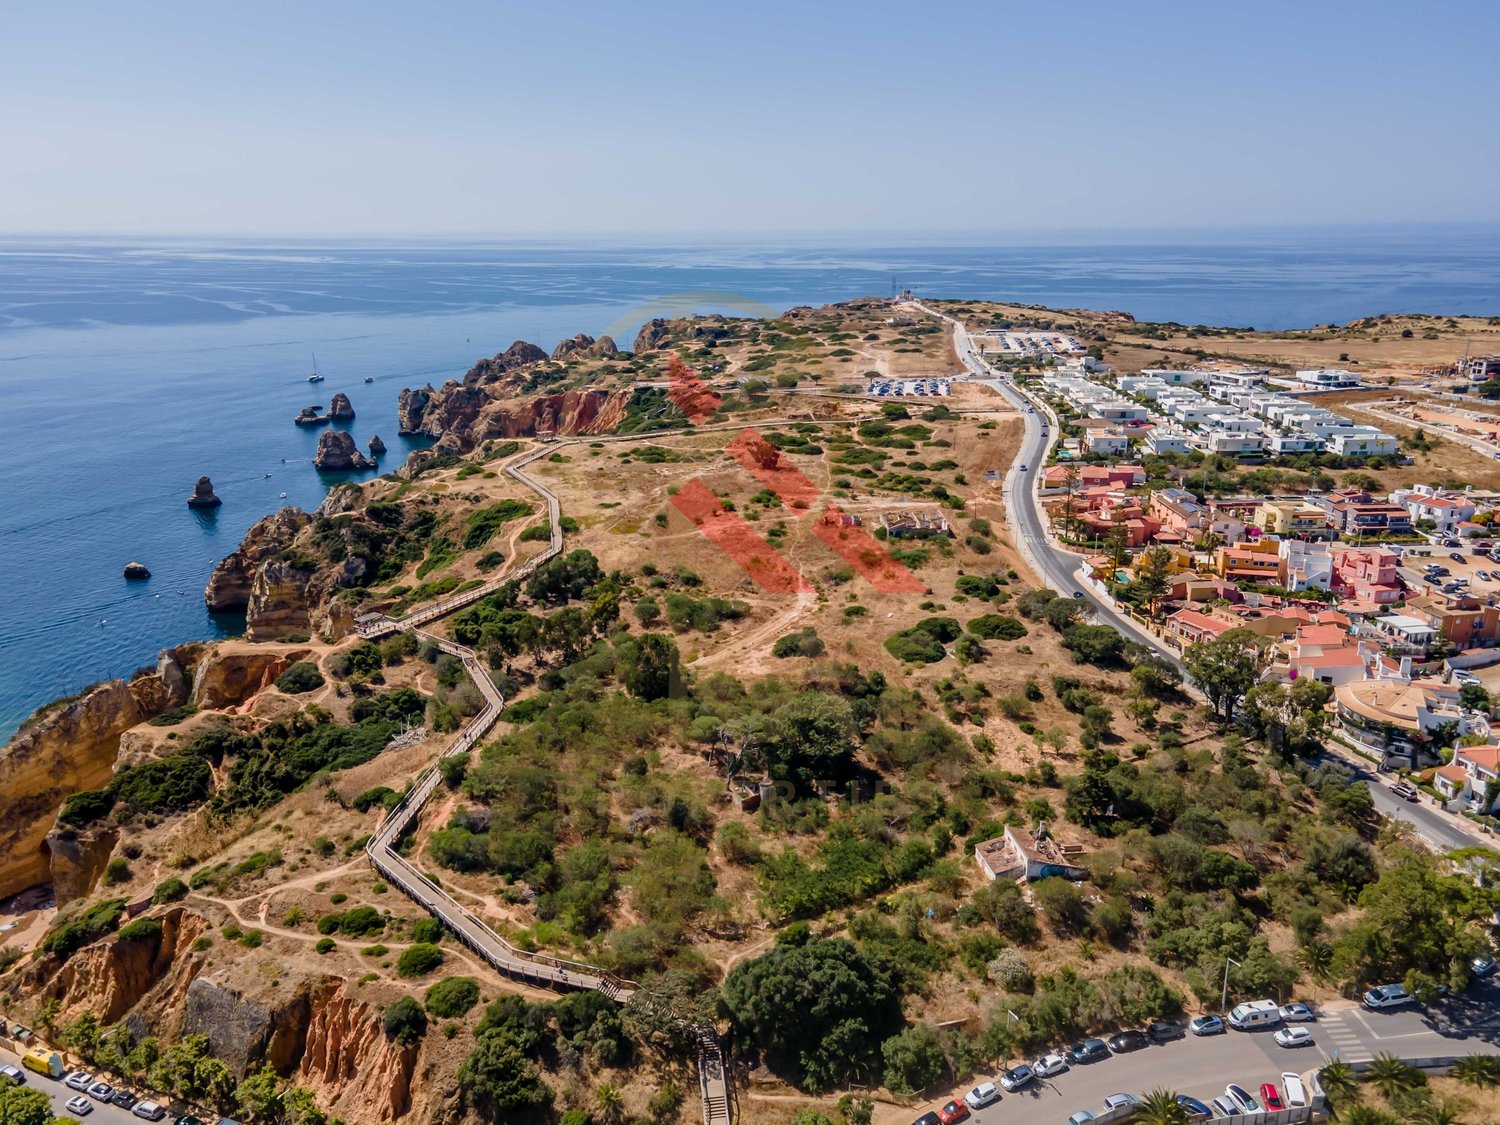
<point>574,118</point>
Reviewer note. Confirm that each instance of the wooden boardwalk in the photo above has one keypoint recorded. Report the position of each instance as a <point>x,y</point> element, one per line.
<point>519,964</point>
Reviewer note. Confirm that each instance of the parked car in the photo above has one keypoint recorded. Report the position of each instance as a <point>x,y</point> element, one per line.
<point>1197,1111</point>
<point>1163,1032</point>
<point>1456,557</point>
<point>1387,996</point>
<point>1090,1050</point>
<point>953,1112</point>
<point>1120,1101</point>
<point>1270,1097</point>
<point>1293,1037</point>
<point>149,1111</point>
<point>1297,1012</point>
<point>189,1119</point>
<point>1405,790</point>
<point>124,1099</point>
<point>1296,1092</point>
<point>1048,1065</point>
<point>1482,575</point>
<point>1082,1117</point>
<point>79,1080</point>
<point>986,1093</point>
<point>1207,1025</point>
<point>80,1106</point>
<point>1223,1107</point>
<point>13,1074</point>
<point>928,1119</point>
<point>1452,543</point>
<point>101,1091</point>
<point>1241,1097</point>
<point>1481,967</point>
<point>1128,1041</point>
<point>1016,1077</point>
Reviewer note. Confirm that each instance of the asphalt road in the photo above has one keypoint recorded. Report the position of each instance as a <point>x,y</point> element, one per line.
<point>59,1095</point>
<point>1202,1067</point>
<point>1060,570</point>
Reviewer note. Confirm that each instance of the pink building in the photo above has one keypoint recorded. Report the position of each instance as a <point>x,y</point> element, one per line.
<point>1367,575</point>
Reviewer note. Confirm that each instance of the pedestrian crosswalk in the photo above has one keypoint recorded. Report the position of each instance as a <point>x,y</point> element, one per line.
<point>1336,1036</point>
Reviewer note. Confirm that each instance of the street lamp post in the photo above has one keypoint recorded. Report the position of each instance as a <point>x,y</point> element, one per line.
<point>1224,999</point>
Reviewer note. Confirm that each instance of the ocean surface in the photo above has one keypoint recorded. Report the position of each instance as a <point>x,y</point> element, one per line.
<point>129,368</point>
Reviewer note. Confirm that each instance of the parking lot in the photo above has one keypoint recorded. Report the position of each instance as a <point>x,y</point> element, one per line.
<point>901,388</point>
<point>1201,1067</point>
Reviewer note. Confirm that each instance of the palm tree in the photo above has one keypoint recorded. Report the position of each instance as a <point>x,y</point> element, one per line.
<point>1317,958</point>
<point>1161,1107</point>
<point>1478,1070</point>
<point>608,1099</point>
<point>1339,1083</point>
<point>1432,1112</point>
<point>1365,1115</point>
<point>1392,1077</point>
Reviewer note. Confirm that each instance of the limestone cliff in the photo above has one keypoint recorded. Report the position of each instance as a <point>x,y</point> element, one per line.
<point>585,347</point>
<point>489,370</point>
<point>111,977</point>
<point>76,858</point>
<point>463,418</point>
<point>229,586</point>
<point>349,1061</point>
<point>71,746</point>
<point>230,676</point>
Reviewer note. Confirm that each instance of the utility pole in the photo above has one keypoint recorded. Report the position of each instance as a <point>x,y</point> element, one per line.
<point>1224,1000</point>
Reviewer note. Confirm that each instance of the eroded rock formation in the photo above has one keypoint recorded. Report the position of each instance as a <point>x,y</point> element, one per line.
<point>340,409</point>
<point>70,746</point>
<point>377,447</point>
<point>228,589</point>
<point>111,977</point>
<point>229,678</point>
<point>203,495</point>
<point>585,347</point>
<point>463,418</point>
<point>312,416</point>
<point>338,453</point>
<point>653,334</point>
<point>136,571</point>
<point>489,370</point>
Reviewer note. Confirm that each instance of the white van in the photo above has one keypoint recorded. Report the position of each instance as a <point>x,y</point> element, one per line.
<point>1296,1092</point>
<point>1255,1013</point>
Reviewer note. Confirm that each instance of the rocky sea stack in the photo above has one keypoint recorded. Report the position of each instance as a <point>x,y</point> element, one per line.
<point>136,571</point>
<point>341,409</point>
<point>518,354</point>
<point>338,453</point>
<point>377,447</point>
<point>586,347</point>
<point>203,495</point>
<point>312,416</point>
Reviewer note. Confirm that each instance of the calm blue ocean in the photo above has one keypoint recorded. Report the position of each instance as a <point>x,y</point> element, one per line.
<point>127,369</point>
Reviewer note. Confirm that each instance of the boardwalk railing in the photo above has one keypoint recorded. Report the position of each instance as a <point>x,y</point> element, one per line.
<point>519,964</point>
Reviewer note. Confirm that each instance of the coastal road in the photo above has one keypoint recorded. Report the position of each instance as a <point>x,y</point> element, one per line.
<point>59,1094</point>
<point>1061,570</point>
<point>1466,1025</point>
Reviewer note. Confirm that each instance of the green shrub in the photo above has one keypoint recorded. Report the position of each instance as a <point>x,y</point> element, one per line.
<point>325,945</point>
<point>452,997</point>
<point>117,870</point>
<point>142,929</point>
<point>404,1021</point>
<point>419,959</point>
<point>71,933</point>
<point>362,921</point>
<point>427,930</point>
<point>301,677</point>
<point>998,627</point>
<point>380,795</point>
<point>803,643</point>
<point>170,889</point>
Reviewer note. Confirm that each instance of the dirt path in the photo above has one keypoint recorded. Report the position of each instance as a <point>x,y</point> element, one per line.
<point>740,651</point>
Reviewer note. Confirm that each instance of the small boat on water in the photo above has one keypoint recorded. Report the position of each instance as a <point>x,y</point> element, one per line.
<point>369,378</point>
<point>282,496</point>
<point>315,377</point>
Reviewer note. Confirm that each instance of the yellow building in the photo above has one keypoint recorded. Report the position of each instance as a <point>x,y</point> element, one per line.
<point>1289,518</point>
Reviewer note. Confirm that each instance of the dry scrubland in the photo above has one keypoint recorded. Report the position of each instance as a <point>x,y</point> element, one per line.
<point>643,669</point>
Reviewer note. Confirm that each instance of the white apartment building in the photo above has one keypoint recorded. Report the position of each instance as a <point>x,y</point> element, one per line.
<point>1168,439</point>
<point>1362,441</point>
<point>1309,566</point>
<point>1291,445</point>
<point>1326,378</point>
<point>1229,444</point>
<point>1445,509</point>
<point>1175,377</point>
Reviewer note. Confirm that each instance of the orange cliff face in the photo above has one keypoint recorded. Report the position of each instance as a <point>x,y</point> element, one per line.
<point>71,746</point>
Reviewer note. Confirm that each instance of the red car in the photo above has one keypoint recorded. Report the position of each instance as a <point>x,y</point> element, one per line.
<point>953,1112</point>
<point>1270,1097</point>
